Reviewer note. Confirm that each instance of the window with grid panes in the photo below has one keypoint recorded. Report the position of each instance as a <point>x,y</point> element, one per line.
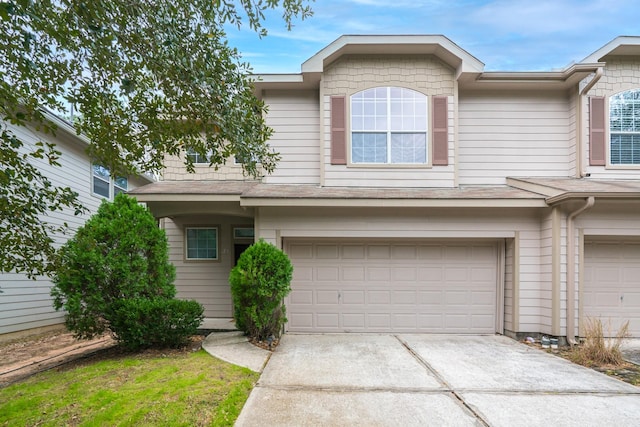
<point>201,243</point>
<point>624,128</point>
<point>389,126</point>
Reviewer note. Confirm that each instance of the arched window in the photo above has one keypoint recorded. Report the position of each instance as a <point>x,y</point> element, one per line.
<point>389,125</point>
<point>624,127</point>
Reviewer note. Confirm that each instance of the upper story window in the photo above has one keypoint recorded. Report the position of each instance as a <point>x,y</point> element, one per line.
<point>389,126</point>
<point>196,157</point>
<point>624,127</point>
<point>106,186</point>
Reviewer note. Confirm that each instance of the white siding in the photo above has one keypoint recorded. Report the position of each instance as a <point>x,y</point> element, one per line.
<point>204,281</point>
<point>523,134</point>
<point>389,175</point>
<point>26,303</point>
<point>295,120</point>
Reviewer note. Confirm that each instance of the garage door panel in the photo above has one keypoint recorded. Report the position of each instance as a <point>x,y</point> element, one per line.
<point>330,297</point>
<point>301,297</point>
<point>612,284</point>
<point>326,274</point>
<point>393,287</point>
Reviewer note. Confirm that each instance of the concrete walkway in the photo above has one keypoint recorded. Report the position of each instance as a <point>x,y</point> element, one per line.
<point>407,380</point>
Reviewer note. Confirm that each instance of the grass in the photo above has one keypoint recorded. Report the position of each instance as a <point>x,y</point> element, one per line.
<point>185,389</point>
<point>597,349</point>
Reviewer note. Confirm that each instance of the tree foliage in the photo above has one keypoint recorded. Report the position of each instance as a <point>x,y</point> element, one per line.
<point>259,283</point>
<point>148,79</point>
<point>119,253</point>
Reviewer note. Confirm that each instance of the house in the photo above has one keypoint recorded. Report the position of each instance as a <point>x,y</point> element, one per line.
<point>419,193</point>
<point>26,305</point>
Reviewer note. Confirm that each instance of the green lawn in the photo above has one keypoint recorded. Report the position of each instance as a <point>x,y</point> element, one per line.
<point>190,389</point>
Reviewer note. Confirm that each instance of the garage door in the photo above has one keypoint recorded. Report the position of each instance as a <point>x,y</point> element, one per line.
<point>612,284</point>
<point>382,286</point>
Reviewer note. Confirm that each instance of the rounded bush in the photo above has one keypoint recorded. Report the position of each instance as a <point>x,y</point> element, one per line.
<point>157,322</point>
<point>259,283</point>
<point>114,275</point>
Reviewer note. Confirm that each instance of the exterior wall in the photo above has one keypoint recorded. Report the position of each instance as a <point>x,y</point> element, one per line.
<point>204,281</point>
<point>509,284</point>
<point>507,134</point>
<point>620,74</point>
<point>274,224</point>
<point>351,74</point>
<point>25,303</point>
<point>175,170</point>
<point>295,120</point>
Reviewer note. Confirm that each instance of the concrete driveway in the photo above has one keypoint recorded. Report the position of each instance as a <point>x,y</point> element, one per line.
<point>439,380</point>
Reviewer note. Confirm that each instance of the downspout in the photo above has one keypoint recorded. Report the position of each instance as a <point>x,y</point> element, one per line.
<point>580,160</point>
<point>571,270</point>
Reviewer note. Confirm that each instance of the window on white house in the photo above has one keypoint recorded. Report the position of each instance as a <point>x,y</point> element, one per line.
<point>106,186</point>
<point>196,157</point>
<point>624,127</point>
<point>389,125</point>
<point>201,243</point>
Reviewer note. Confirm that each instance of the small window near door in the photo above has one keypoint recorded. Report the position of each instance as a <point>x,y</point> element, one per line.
<point>244,233</point>
<point>201,243</point>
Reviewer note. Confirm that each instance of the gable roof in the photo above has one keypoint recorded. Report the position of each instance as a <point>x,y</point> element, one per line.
<point>469,70</point>
<point>620,46</point>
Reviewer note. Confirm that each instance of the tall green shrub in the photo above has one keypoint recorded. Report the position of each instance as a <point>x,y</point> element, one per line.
<point>259,283</point>
<point>119,254</point>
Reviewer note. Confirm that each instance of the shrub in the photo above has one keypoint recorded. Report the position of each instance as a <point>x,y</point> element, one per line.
<point>259,283</point>
<point>120,254</point>
<point>598,350</point>
<point>159,322</point>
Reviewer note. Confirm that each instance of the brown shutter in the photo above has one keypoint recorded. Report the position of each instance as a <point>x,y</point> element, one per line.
<point>440,131</point>
<point>338,131</point>
<point>597,143</point>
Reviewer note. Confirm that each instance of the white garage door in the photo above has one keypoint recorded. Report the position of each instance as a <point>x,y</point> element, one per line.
<point>380,286</point>
<point>612,284</point>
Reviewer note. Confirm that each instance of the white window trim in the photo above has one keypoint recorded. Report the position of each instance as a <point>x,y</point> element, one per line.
<point>186,243</point>
<point>389,132</point>
<point>611,133</point>
<point>111,182</point>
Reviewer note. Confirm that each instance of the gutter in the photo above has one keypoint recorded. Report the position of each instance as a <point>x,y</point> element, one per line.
<point>581,143</point>
<point>571,270</point>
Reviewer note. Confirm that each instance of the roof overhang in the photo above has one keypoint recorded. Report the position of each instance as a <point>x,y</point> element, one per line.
<point>168,198</point>
<point>620,46</point>
<point>532,80</point>
<point>437,45</point>
<point>559,190</point>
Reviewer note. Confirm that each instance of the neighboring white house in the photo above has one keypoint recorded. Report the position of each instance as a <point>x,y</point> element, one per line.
<point>26,305</point>
<point>419,193</point>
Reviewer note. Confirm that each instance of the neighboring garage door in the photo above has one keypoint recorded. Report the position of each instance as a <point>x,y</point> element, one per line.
<point>385,286</point>
<point>612,284</point>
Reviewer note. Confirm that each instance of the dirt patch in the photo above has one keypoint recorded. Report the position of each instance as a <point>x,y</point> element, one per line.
<point>21,358</point>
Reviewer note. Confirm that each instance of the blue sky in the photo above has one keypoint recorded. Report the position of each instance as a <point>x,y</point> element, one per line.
<point>507,35</point>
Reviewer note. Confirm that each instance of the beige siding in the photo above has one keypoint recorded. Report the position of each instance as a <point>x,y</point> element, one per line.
<point>513,134</point>
<point>276,223</point>
<point>25,303</point>
<point>175,170</point>
<point>620,74</point>
<point>509,284</point>
<point>295,120</point>
<point>204,281</point>
<point>351,74</point>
